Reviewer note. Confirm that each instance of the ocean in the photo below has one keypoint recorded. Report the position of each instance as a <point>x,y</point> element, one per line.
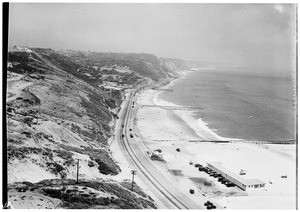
<point>238,105</point>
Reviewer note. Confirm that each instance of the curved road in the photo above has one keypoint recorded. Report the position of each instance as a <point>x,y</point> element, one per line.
<point>164,190</point>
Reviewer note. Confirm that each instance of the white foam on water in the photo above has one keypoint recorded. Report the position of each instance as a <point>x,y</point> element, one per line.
<point>198,125</point>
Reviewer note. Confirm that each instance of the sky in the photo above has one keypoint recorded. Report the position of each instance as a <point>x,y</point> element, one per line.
<point>259,36</point>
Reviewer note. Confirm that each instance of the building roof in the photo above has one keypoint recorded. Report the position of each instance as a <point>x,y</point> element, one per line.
<point>218,165</point>
<point>254,181</point>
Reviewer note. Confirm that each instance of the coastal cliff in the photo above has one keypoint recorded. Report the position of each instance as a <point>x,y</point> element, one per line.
<point>62,108</point>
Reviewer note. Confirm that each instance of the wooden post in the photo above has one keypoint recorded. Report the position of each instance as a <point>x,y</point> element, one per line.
<point>133,173</point>
<point>38,113</point>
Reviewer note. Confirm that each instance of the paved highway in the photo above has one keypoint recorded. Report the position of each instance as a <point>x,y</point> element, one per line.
<point>169,196</point>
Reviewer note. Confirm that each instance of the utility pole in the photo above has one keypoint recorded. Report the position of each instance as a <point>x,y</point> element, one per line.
<point>39,112</point>
<point>77,171</point>
<point>133,173</point>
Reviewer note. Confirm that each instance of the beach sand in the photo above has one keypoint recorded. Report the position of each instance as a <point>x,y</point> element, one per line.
<point>168,130</point>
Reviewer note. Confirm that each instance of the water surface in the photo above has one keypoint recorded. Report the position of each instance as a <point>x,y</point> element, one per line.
<point>239,105</point>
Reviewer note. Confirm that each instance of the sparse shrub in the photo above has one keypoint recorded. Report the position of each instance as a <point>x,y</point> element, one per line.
<point>66,155</point>
<point>27,134</point>
<point>73,149</point>
<point>52,192</point>
<point>28,121</point>
<point>14,141</point>
<point>22,188</point>
<point>136,188</point>
<point>48,153</point>
<point>91,164</point>
<point>20,153</point>
<point>105,164</point>
<point>78,205</point>
<point>208,184</point>
<point>55,167</point>
<point>106,168</point>
<point>157,157</point>
<point>110,102</point>
<point>69,162</point>
<point>27,183</point>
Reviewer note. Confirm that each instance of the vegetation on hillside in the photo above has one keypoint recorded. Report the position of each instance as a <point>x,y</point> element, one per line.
<point>63,106</point>
<point>87,194</point>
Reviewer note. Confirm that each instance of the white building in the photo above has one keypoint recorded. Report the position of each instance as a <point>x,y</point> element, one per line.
<point>235,178</point>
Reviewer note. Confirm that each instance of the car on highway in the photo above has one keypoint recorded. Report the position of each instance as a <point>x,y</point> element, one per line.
<point>209,205</point>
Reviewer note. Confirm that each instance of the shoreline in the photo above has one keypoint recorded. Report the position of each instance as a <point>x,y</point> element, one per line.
<point>168,130</point>
<point>196,124</point>
<point>201,127</point>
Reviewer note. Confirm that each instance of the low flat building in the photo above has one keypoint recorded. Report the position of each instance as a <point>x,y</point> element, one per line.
<point>235,178</point>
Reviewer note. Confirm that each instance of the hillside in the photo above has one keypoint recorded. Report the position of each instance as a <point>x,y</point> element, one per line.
<point>62,106</point>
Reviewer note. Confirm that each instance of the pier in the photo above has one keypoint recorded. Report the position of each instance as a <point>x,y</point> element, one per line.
<point>175,107</point>
<point>266,142</point>
<point>216,141</point>
<point>245,141</point>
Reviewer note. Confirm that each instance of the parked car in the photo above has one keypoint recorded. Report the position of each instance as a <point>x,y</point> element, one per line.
<point>220,179</point>
<point>230,184</point>
<point>201,169</point>
<point>209,205</point>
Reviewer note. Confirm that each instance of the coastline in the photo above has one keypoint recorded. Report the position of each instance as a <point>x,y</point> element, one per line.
<point>200,127</point>
<point>168,130</point>
<point>250,108</point>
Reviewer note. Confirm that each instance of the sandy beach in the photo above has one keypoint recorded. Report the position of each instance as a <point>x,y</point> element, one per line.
<point>168,130</point>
